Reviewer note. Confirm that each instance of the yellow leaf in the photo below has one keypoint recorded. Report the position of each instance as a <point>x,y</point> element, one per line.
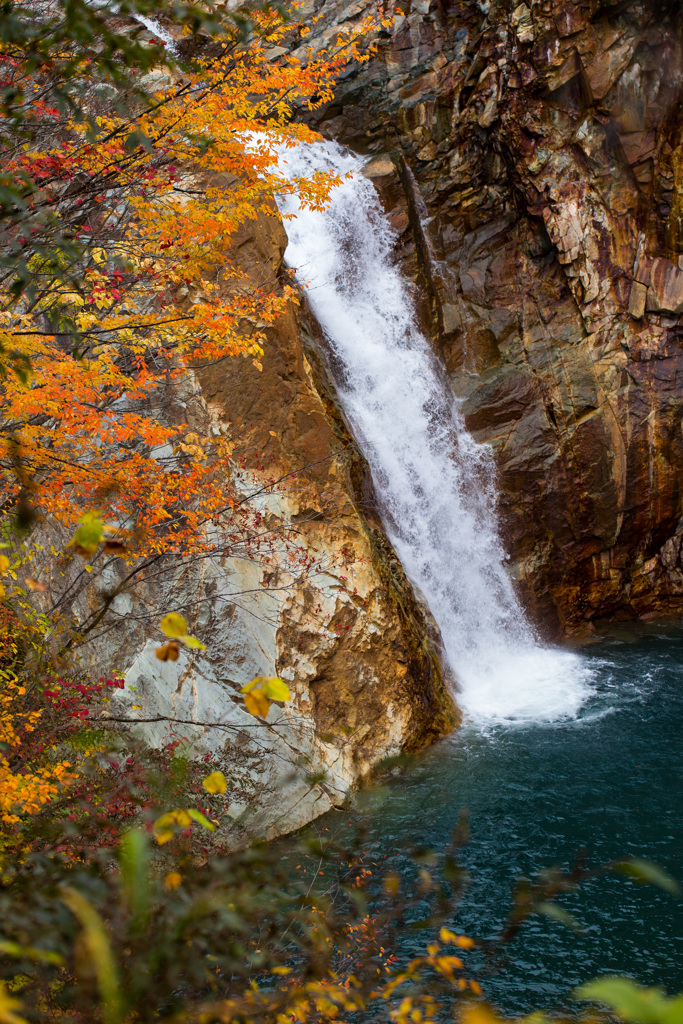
<point>276,689</point>
<point>173,880</point>
<point>445,964</point>
<point>272,687</point>
<point>192,641</point>
<point>256,703</point>
<point>392,884</point>
<point>458,940</point>
<point>4,563</point>
<point>179,817</point>
<point>475,1013</point>
<point>174,625</point>
<point>215,783</point>
<point>163,836</point>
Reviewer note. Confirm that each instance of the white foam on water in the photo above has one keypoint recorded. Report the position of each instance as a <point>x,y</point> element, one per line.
<point>435,485</point>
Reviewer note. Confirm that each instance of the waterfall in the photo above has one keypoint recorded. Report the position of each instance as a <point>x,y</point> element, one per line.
<point>435,485</point>
<point>160,33</point>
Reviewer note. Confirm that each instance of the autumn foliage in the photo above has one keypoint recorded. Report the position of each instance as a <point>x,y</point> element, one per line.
<point>128,173</point>
<point>118,214</point>
<point>151,203</point>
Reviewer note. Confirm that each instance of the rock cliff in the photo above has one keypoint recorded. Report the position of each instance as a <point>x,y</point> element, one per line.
<point>312,592</point>
<point>531,158</point>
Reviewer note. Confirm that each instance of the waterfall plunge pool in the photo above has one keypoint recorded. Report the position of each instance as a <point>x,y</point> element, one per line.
<point>607,781</point>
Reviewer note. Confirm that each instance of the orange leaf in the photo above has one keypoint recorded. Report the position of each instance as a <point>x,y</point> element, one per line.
<point>257,703</point>
<point>169,652</point>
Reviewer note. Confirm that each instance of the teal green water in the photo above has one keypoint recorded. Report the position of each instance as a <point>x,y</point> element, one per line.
<point>608,782</point>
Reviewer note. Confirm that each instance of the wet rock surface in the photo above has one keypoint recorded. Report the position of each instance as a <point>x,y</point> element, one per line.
<point>531,159</point>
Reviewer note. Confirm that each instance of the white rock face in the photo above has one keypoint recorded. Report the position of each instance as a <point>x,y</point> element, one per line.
<point>250,631</point>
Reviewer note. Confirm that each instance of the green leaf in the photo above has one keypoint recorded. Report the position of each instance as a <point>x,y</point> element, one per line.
<point>96,943</point>
<point>647,873</point>
<point>558,913</point>
<point>174,625</point>
<point>45,956</point>
<point>89,533</point>
<point>628,1000</point>
<point>674,1010</point>
<point>200,819</point>
<point>192,641</point>
<point>134,859</point>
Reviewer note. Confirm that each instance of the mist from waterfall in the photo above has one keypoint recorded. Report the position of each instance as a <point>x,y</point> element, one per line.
<point>436,487</point>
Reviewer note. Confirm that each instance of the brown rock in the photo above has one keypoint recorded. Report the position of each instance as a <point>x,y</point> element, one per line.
<point>568,69</point>
<point>665,293</point>
<point>523,23</point>
<point>359,652</point>
<point>637,299</point>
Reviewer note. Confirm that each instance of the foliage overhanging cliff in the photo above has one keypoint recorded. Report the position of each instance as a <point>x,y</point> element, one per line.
<point>142,257</point>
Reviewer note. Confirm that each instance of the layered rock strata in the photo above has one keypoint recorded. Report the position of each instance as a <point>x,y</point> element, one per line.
<point>530,157</point>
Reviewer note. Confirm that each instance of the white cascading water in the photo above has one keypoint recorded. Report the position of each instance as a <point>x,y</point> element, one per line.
<point>160,33</point>
<point>436,486</point>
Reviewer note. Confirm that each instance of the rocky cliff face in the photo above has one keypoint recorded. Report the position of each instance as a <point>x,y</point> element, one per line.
<point>531,158</point>
<point>312,592</point>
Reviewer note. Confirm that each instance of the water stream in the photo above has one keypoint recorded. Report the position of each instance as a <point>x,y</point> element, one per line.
<point>436,486</point>
<point>159,32</point>
<point>560,751</point>
<point>606,784</point>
